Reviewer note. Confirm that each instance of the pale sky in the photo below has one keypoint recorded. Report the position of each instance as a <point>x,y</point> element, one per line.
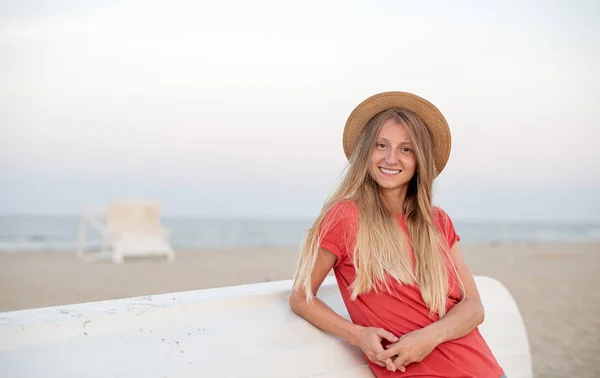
<point>237,108</point>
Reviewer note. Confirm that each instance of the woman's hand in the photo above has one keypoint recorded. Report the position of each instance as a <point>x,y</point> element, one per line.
<point>412,347</point>
<point>370,339</point>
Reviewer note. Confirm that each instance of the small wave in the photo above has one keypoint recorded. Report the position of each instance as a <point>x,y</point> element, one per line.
<point>593,234</point>
<point>32,246</point>
<point>580,235</point>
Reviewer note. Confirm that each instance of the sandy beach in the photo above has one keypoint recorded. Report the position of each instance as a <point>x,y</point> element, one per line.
<point>555,285</point>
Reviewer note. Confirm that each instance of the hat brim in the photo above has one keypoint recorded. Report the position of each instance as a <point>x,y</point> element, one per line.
<point>431,116</point>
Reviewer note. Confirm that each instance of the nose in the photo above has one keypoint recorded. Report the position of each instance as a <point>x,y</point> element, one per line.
<point>391,157</point>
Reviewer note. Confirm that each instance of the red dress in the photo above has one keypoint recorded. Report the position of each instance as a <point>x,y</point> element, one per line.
<point>405,311</point>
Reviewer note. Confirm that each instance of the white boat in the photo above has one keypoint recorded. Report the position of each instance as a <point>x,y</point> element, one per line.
<point>236,331</point>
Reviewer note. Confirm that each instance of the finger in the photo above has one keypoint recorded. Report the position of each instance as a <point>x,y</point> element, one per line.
<point>387,353</point>
<point>390,365</point>
<point>399,366</point>
<point>387,364</point>
<point>387,335</point>
<point>401,361</point>
<point>377,348</point>
<point>380,363</point>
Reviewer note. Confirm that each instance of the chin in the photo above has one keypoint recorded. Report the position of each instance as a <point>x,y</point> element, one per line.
<point>391,184</point>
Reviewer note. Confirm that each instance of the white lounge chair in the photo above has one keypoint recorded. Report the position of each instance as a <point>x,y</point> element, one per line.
<point>236,331</point>
<point>127,229</point>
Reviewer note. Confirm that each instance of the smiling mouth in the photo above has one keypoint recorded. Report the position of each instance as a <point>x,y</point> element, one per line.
<point>390,171</point>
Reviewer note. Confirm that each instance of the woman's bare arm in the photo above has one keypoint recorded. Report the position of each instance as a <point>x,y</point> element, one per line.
<point>323,317</point>
<point>318,313</point>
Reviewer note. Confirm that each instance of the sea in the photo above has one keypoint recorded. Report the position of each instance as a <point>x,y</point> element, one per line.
<point>60,233</point>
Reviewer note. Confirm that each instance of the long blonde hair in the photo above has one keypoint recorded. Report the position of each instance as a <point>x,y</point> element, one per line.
<point>381,248</point>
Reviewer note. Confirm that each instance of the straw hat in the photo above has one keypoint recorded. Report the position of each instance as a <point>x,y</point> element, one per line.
<point>431,116</point>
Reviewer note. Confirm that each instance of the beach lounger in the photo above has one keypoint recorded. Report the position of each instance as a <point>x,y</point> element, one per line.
<point>127,229</point>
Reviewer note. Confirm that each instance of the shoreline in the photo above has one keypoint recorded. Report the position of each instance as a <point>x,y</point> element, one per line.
<point>464,244</point>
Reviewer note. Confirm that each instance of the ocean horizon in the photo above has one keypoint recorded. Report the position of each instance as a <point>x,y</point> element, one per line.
<point>46,233</point>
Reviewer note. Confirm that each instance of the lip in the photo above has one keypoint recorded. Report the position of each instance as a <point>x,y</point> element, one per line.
<point>389,169</point>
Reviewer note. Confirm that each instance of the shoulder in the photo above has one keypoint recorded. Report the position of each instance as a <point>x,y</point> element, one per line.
<point>439,214</point>
<point>441,218</point>
<point>338,228</point>
<point>445,225</point>
<point>343,214</point>
<point>345,208</point>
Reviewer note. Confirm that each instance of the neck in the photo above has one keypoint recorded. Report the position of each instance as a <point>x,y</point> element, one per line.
<point>394,199</point>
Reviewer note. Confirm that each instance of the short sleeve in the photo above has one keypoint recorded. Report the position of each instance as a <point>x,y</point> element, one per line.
<point>447,227</point>
<point>336,229</point>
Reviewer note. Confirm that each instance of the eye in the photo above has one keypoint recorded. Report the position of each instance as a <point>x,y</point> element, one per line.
<point>380,145</point>
<point>406,150</point>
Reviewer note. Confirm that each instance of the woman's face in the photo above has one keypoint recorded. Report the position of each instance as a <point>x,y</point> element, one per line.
<point>393,162</point>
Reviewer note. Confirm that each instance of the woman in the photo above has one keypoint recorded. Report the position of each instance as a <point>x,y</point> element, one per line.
<point>412,300</point>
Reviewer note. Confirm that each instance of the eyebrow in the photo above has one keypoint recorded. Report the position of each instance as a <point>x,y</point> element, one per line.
<point>403,142</point>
